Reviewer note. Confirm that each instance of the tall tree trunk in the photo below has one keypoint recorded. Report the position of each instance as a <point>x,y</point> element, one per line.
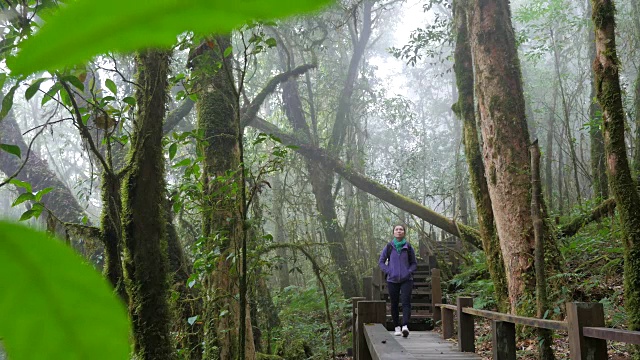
<point>548,156</point>
<point>537,210</point>
<point>622,185</point>
<point>567,125</point>
<point>463,68</point>
<point>223,219</point>
<point>505,141</point>
<point>143,218</point>
<point>598,166</point>
<point>636,105</point>
<point>283,267</point>
<point>560,173</point>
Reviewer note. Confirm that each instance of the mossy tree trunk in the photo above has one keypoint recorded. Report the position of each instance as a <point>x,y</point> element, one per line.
<point>111,233</point>
<point>505,141</point>
<point>636,155</point>
<point>463,69</point>
<point>143,216</point>
<point>223,219</point>
<point>623,188</point>
<point>598,166</point>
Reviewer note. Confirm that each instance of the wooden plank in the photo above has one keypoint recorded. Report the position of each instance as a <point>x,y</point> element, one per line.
<point>580,315</point>
<point>383,345</point>
<point>521,320</point>
<point>503,340</point>
<point>466,336</point>
<point>625,336</point>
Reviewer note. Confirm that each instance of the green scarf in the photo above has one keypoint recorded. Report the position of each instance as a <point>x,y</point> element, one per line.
<point>399,244</point>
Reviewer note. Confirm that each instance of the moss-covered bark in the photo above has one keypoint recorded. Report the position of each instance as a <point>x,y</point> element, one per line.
<point>505,136</point>
<point>111,234</point>
<point>143,218</point>
<point>223,183</point>
<point>598,167</point>
<point>622,185</point>
<point>464,109</point>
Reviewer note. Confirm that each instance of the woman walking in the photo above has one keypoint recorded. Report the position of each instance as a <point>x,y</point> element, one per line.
<point>398,262</point>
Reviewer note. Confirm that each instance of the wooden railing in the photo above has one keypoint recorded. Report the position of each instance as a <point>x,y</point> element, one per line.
<point>584,324</point>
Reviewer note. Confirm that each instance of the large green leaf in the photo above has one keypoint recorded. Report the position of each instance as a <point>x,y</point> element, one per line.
<point>53,305</point>
<point>125,25</point>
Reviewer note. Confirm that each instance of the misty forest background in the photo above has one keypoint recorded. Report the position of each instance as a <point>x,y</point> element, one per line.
<point>234,187</point>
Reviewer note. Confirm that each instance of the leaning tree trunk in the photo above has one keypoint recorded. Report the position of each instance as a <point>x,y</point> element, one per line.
<point>505,141</point>
<point>622,185</point>
<point>223,221</point>
<point>143,218</point>
<point>370,186</point>
<point>60,200</point>
<point>463,68</point>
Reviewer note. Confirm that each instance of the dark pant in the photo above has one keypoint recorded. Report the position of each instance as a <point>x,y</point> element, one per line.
<point>400,292</point>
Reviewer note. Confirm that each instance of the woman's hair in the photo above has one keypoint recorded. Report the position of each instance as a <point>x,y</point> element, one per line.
<point>403,226</point>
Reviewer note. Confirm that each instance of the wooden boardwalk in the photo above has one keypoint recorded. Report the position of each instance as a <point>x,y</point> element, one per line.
<point>430,345</point>
<point>423,345</point>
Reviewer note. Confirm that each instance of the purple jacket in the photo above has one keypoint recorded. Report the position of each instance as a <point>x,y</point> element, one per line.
<point>398,268</point>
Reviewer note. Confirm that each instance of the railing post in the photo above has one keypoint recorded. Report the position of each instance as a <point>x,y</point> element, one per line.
<point>466,341</point>
<point>580,315</point>
<point>354,323</point>
<point>436,293</point>
<point>504,340</point>
<point>367,287</point>
<point>433,263</point>
<point>377,278</point>
<point>368,312</point>
<point>447,323</point>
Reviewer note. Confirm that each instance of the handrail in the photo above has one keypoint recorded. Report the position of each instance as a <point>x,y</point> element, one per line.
<point>584,320</point>
<point>626,336</point>
<point>522,320</point>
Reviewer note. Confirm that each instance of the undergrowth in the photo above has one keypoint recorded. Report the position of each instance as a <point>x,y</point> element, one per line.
<point>303,332</point>
<point>593,269</point>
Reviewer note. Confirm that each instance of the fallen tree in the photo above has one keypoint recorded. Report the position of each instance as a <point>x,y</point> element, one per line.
<point>370,186</point>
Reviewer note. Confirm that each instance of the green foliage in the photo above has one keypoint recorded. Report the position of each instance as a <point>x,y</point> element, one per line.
<point>304,333</point>
<point>55,306</point>
<point>474,281</point>
<point>37,207</point>
<point>122,25</point>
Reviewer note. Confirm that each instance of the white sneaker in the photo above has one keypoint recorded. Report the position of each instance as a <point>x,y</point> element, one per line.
<point>398,332</point>
<point>405,331</point>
